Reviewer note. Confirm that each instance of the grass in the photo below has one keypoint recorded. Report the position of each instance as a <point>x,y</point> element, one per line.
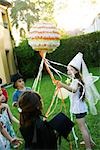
<point>47,91</point>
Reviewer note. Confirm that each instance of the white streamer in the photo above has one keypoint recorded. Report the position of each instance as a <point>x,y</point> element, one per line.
<point>39,74</point>
<point>56,63</point>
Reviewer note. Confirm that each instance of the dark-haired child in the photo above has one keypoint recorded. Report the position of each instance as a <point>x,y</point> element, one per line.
<point>36,132</point>
<point>19,85</point>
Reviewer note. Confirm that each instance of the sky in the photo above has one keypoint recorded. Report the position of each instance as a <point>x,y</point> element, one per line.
<point>75,14</point>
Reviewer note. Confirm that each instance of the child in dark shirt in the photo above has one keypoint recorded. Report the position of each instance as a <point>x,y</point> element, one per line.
<point>35,131</point>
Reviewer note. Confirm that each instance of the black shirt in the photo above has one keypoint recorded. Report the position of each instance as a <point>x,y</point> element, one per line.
<point>39,136</point>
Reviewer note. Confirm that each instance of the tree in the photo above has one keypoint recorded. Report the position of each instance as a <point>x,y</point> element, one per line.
<point>31,11</point>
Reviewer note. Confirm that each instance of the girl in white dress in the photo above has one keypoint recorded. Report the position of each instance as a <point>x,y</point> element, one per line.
<point>80,89</point>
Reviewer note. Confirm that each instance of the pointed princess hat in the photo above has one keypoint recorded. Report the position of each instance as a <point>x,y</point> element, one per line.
<point>77,61</point>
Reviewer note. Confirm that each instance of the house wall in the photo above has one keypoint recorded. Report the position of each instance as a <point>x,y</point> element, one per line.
<point>7,65</point>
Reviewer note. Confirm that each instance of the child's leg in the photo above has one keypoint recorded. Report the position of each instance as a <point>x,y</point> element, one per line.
<point>85,133</point>
<point>91,140</point>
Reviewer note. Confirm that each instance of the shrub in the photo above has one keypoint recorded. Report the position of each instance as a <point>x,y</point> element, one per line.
<point>89,44</point>
<point>27,59</point>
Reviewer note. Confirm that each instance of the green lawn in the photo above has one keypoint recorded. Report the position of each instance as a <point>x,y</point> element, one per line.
<point>46,91</point>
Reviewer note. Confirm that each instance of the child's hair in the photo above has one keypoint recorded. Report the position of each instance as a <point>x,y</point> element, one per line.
<point>31,106</point>
<point>79,77</point>
<point>0,81</point>
<point>16,77</point>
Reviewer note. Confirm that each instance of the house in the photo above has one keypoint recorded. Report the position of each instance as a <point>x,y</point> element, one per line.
<point>7,64</point>
<point>95,25</point>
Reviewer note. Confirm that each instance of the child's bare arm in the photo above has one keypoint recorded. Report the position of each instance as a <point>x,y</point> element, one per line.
<point>14,119</point>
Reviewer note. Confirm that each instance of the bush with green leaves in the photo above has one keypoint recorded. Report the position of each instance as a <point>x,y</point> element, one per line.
<point>89,44</point>
<point>27,59</point>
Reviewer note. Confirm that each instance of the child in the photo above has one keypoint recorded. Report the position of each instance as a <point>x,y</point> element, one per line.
<point>19,85</point>
<point>14,141</point>
<point>5,118</point>
<point>36,132</point>
<point>80,88</point>
<point>4,92</point>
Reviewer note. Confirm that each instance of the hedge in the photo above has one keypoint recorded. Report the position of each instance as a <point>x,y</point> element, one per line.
<point>27,60</point>
<point>89,44</point>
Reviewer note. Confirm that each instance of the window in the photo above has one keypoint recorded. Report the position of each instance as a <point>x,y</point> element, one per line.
<point>4,18</point>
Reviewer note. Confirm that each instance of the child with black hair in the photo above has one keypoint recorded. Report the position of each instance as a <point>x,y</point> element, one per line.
<point>36,132</point>
<point>19,85</point>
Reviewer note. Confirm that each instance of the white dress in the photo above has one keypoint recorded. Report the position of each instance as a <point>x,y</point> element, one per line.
<point>77,106</point>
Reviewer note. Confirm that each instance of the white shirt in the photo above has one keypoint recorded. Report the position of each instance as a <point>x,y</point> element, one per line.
<point>76,104</point>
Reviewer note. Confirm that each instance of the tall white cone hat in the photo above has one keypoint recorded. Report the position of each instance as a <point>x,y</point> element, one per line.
<point>77,61</point>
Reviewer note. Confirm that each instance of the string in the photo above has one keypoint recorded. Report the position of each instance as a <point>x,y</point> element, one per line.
<point>57,63</point>
<point>57,71</point>
<point>52,102</point>
<point>63,103</point>
<point>36,81</point>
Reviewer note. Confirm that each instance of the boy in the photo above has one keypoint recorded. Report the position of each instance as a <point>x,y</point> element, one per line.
<point>19,85</point>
